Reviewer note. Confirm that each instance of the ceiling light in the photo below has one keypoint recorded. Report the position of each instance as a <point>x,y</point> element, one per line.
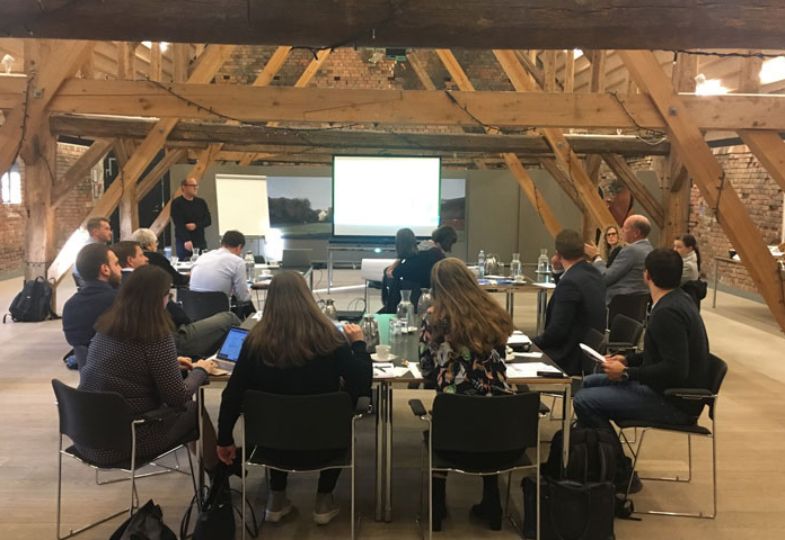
<point>772,70</point>
<point>709,87</point>
<point>8,63</point>
<point>577,53</point>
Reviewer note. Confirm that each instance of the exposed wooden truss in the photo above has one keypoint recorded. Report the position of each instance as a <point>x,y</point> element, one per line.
<point>396,107</point>
<point>710,179</point>
<point>235,137</point>
<point>487,24</point>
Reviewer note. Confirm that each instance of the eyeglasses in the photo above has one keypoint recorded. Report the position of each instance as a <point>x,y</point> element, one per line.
<point>611,234</point>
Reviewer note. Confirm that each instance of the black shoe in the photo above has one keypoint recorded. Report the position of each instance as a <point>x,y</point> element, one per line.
<point>491,513</point>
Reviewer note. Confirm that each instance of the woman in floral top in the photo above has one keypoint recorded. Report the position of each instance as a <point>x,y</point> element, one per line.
<point>462,351</point>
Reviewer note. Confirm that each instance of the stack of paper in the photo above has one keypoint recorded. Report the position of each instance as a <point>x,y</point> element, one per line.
<point>528,370</point>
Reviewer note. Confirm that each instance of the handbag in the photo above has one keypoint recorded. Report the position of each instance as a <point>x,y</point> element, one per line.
<point>146,524</point>
<point>215,519</point>
<point>569,510</point>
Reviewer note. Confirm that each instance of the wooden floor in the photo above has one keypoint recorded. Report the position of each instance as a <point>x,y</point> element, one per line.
<point>751,444</point>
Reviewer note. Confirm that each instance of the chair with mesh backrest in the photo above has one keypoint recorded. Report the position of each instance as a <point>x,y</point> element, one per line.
<point>706,396</point>
<point>273,425</point>
<point>463,425</point>
<point>104,421</point>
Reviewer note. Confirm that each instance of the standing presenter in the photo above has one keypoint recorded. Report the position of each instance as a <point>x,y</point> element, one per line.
<point>190,216</point>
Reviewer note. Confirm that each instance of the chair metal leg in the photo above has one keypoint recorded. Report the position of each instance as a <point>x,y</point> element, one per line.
<point>242,438</point>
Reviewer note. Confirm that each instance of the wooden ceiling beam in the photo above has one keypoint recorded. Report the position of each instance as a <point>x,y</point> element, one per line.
<point>30,104</point>
<point>708,175</point>
<point>148,182</point>
<point>397,107</point>
<point>566,158</point>
<point>624,172</point>
<point>81,168</point>
<point>199,134</point>
<point>488,24</point>
<point>769,148</point>
<point>522,176</point>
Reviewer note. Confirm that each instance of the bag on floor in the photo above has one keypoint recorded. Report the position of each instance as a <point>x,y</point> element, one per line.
<point>215,519</point>
<point>593,456</point>
<point>569,510</point>
<point>33,303</point>
<point>146,524</point>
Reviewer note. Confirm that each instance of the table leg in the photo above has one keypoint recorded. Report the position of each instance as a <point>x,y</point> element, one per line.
<point>388,455</point>
<point>329,269</point>
<point>199,443</point>
<point>716,276</point>
<point>380,399</point>
<point>542,306</point>
<point>510,303</point>
<point>567,413</point>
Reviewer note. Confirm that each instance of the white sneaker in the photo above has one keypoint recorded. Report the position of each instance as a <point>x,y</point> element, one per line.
<point>325,509</point>
<point>278,506</point>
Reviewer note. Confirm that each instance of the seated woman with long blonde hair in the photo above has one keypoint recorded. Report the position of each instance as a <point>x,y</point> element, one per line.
<point>462,351</point>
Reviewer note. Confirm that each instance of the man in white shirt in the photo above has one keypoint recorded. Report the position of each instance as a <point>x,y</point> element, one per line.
<point>223,270</point>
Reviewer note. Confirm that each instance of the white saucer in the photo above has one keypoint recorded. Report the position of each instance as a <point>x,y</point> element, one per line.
<point>390,358</point>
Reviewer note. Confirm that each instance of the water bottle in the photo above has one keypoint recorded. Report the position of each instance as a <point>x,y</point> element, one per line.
<point>424,303</point>
<point>516,271</point>
<point>543,263</point>
<point>405,312</point>
<point>481,263</point>
<point>370,330</point>
<point>329,309</point>
<point>249,266</point>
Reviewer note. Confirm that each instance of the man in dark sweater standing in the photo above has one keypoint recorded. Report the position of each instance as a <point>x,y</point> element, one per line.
<point>190,216</point>
<point>675,355</point>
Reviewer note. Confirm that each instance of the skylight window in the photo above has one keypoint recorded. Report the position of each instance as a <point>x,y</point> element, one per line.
<point>772,70</point>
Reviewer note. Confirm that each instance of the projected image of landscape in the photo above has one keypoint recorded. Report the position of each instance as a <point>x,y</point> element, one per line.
<point>300,206</point>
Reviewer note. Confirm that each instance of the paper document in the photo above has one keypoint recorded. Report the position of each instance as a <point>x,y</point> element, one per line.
<point>518,338</point>
<point>414,369</point>
<point>591,353</point>
<point>382,371</point>
<point>528,370</point>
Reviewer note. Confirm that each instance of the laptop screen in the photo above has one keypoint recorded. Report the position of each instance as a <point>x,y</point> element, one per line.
<point>230,350</point>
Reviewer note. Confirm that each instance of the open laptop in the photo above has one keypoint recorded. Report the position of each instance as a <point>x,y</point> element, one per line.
<point>296,258</point>
<point>227,355</point>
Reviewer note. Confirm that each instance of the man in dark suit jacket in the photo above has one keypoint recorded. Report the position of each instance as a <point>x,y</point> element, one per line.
<point>577,304</point>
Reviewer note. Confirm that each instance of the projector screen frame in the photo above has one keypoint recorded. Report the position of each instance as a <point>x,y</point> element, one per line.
<point>379,239</point>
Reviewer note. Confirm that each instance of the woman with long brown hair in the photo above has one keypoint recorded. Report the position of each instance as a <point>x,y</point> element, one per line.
<point>295,349</point>
<point>133,353</point>
<point>462,351</point>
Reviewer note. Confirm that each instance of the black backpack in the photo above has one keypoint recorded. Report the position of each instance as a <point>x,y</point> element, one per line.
<point>592,456</point>
<point>33,303</point>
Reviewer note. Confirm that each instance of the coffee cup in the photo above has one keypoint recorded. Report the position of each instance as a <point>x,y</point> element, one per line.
<point>382,352</point>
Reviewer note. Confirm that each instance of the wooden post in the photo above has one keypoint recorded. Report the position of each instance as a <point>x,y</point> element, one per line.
<point>710,179</point>
<point>677,203</point>
<point>569,71</point>
<point>155,61</point>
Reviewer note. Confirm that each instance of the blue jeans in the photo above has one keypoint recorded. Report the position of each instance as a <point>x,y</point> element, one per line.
<point>601,400</point>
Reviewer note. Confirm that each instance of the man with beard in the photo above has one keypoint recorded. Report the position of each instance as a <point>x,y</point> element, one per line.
<point>100,275</point>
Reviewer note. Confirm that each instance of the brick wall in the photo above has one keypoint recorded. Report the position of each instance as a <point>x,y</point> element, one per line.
<point>763,199</point>
<point>68,215</point>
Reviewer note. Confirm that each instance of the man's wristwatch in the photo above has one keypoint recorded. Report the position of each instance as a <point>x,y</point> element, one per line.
<point>625,374</point>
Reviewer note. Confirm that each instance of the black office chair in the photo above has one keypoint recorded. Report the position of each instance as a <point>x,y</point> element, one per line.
<point>461,425</point>
<point>625,333</point>
<point>717,371</point>
<point>632,305</point>
<point>199,305</point>
<point>103,420</point>
<point>273,424</point>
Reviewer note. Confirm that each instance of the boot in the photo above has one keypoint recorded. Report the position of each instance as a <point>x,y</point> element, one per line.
<point>278,506</point>
<point>490,507</point>
<point>438,501</point>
